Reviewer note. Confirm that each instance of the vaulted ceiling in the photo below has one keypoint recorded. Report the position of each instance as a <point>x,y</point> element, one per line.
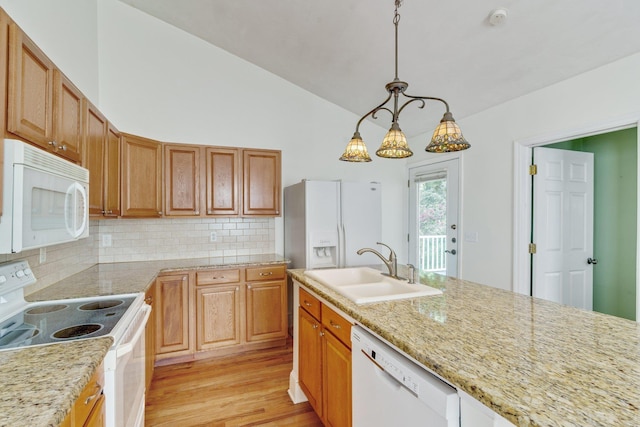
<point>343,50</point>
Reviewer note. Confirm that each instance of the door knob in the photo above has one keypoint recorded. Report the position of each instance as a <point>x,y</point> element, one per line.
<point>452,251</point>
<point>592,261</point>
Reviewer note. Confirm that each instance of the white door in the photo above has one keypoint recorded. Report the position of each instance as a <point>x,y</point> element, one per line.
<point>433,217</point>
<point>563,227</point>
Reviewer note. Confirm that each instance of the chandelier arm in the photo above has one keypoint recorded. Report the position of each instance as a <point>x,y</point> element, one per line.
<point>373,116</point>
<point>373,112</point>
<point>428,98</point>
<point>409,102</point>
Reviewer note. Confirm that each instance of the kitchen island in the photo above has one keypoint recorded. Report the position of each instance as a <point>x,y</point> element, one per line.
<point>39,385</point>
<point>534,362</point>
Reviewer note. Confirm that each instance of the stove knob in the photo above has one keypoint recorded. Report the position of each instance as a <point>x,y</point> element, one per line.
<point>20,274</point>
<point>28,271</point>
<point>3,279</point>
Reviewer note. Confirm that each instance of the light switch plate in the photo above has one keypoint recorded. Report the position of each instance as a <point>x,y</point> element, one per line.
<point>213,236</point>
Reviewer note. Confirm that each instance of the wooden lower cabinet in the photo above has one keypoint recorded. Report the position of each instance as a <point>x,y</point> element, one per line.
<point>310,356</point>
<point>217,312</point>
<point>218,316</point>
<point>173,315</point>
<point>88,410</point>
<point>324,369</point>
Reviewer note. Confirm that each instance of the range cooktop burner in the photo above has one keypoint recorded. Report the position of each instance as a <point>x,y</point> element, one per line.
<point>77,331</point>
<point>100,305</point>
<point>46,309</point>
<point>64,320</point>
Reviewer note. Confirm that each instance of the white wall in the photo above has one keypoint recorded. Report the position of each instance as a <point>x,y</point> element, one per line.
<point>66,31</point>
<point>597,97</point>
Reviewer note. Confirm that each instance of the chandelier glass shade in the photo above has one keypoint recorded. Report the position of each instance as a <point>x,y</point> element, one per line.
<point>447,136</point>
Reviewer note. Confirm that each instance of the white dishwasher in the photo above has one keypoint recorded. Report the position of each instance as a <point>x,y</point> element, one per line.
<point>388,389</point>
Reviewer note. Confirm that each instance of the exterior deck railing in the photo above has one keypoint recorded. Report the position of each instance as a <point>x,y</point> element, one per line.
<point>432,256</point>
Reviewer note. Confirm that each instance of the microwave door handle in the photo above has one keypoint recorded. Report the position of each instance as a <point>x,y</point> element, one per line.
<point>127,347</point>
<point>70,220</point>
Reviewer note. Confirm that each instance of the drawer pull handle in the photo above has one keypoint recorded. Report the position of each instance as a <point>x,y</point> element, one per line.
<point>335,325</point>
<point>218,278</point>
<point>98,388</point>
<point>267,274</point>
<point>307,303</point>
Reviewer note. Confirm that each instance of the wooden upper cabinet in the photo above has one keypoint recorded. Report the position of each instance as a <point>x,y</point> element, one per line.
<point>30,103</point>
<point>141,177</point>
<point>43,106</point>
<point>95,130</point>
<point>112,172</point>
<point>261,182</point>
<point>68,110</point>
<point>222,176</point>
<point>182,179</point>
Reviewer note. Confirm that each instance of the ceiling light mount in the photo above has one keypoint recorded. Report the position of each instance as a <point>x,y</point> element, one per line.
<point>446,137</point>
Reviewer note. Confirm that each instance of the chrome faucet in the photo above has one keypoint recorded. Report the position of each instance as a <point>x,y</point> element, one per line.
<point>391,263</point>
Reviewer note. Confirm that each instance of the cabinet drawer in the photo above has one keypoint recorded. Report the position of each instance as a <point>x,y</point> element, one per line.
<point>89,396</point>
<point>338,325</point>
<point>270,272</point>
<point>215,277</point>
<point>310,303</point>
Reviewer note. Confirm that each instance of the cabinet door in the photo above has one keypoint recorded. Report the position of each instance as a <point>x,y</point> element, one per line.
<point>218,316</point>
<point>310,359</point>
<point>336,381</point>
<point>112,173</point>
<point>95,131</point>
<point>266,310</point>
<point>222,181</point>
<point>172,303</point>
<point>141,177</point>
<point>150,335</point>
<point>30,103</point>
<point>182,180</point>
<point>68,108</point>
<point>261,183</point>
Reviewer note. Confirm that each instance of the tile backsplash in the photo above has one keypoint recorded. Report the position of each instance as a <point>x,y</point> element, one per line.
<point>124,240</point>
<point>157,239</point>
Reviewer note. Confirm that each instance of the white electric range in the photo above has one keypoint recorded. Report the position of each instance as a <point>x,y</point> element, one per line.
<point>123,317</point>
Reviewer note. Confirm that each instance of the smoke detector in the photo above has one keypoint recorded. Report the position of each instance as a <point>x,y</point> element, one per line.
<point>498,17</point>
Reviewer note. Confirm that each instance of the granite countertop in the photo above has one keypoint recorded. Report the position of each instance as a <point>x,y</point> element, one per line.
<point>38,385</point>
<point>534,362</point>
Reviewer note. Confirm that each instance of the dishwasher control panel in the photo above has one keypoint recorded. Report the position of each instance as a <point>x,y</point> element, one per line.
<point>392,366</point>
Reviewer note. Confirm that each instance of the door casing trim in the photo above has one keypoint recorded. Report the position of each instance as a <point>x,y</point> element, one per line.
<point>522,153</point>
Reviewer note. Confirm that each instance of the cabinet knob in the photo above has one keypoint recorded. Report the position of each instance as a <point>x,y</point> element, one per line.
<point>184,278</point>
<point>63,147</point>
<point>148,300</point>
<point>53,144</point>
<point>307,303</point>
<point>160,213</point>
<point>314,326</point>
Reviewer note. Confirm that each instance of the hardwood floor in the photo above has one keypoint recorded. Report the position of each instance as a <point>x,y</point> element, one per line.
<point>244,390</point>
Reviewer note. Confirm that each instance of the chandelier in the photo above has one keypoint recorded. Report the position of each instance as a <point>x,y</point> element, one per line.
<point>447,136</point>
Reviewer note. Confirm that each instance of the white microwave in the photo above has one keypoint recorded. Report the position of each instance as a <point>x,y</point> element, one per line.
<point>45,199</point>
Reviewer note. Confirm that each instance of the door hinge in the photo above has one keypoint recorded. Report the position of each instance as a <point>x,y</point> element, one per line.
<point>532,248</point>
<point>533,169</point>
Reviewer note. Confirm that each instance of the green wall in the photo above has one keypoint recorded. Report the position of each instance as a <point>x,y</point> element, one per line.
<point>615,218</point>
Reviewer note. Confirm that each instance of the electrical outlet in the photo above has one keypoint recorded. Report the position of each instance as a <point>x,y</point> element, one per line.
<point>106,240</point>
<point>43,255</point>
<point>213,236</point>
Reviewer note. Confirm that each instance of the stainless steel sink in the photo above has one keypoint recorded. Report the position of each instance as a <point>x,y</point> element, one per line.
<point>364,285</point>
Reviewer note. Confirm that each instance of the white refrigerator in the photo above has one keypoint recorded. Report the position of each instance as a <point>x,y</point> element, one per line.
<point>326,222</point>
